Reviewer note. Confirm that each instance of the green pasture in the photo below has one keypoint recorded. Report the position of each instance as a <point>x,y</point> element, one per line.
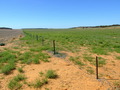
<point>98,40</point>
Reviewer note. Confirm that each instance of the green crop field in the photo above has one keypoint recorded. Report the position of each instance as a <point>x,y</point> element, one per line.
<point>99,41</point>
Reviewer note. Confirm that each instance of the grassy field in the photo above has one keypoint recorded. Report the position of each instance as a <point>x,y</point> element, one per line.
<point>99,41</point>
<point>74,46</point>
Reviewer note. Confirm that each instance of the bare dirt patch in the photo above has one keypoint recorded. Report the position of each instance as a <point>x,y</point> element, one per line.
<point>8,35</point>
<point>70,76</point>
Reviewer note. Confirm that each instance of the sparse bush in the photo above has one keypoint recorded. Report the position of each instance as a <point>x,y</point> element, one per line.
<point>30,57</point>
<point>7,68</point>
<point>19,77</point>
<point>43,57</point>
<point>39,83</point>
<point>20,69</point>
<point>6,56</point>
<point>36,61</point>
<point>51,74</point>
<point>26,57</point>
<point>14,85</point>
<point>45,81</point>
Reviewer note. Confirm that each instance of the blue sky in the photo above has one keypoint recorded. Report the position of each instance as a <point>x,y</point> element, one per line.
<point>58,13</point>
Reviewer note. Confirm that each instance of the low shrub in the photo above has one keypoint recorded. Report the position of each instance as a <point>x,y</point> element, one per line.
<point>19,77</point>
<point>7,68</point>
<point>51,74</point>
<point>39,83</point>
<point>14,85</point>
<point>20,70</point>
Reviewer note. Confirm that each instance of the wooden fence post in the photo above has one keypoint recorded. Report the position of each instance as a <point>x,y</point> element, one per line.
<point>97,68</point>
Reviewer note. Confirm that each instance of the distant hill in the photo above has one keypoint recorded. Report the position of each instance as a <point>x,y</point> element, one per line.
<point>101,26</point>
<point>34,28</point>
<point>5,28</point>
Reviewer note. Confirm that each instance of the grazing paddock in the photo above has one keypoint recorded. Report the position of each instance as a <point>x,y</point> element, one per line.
<point>62,59</point>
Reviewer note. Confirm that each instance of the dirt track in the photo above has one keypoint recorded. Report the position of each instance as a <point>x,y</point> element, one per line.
<point>8,35</point>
